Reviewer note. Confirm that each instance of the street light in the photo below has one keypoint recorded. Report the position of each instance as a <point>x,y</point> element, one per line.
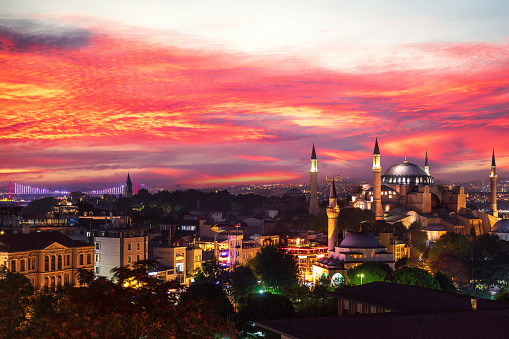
<point>362,276</point>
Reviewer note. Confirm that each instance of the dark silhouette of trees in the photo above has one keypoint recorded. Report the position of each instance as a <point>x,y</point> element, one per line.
<point>277,269</point>
<point>370,271</point>
<point>417,277</point>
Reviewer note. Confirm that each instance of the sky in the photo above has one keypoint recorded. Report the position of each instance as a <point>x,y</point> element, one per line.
<point>211,93</point>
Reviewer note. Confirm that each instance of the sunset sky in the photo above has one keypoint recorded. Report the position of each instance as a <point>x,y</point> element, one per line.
<point>209,93</point>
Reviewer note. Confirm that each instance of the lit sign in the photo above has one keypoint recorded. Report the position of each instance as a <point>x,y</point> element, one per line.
<point>303,256</point>
<point>320,255</point>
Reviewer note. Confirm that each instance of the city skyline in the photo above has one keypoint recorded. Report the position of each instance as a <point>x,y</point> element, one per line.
<point>210,94</point>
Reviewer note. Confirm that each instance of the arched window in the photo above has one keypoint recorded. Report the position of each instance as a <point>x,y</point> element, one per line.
<point>13,265</point>
<point>59,281</point>
<point>46,263</point>
<point>81,259</point>
<point>53,261</point>
<point>66,279</point>
<point>59,262</point>
<point>22,265</point>
<point>46,282</point>
<point>89,258</point>
<point>52,282</point>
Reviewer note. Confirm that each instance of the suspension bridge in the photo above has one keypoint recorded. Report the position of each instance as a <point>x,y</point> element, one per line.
<point>18,189</point>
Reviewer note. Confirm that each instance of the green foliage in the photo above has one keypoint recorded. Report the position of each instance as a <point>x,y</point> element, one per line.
<point>445,282</point>
<point>243,281</point>
<point>39,207</point>
<point>214,296</point>
<point>370,271</point>
<point>401,262</point>
<point>317,223</point>
<point>276,268</point>
<point>418,240</point>
<point>490,262</point>
<point>504,297</point>
<point>15,294</point>
<point>451,255</point>
<point>351,218</point>
<point>213,273</point>
<point>417,277</point>
<point>264,306</point>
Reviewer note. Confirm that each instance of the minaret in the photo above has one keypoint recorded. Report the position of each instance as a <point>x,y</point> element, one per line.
<point>426,165</point>
<point>377,183</point>
<point>313,173</point>
<point>332,214</point>
<point>493,186</point>
<point>128,187</point>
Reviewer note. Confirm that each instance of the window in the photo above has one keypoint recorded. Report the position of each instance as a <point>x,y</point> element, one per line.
<point>98,245</point>
<point>22,265</point>
<point>97,270</point>
<point>89,258</point>
<point>128,259</point>
<point>59,281</point>
<point>97,258</point>
<point>138,246</point>
<point>68,260</point>
<point>33,263</point>
<point>137,257</point>
<point>179,267</point>
<point>128,247</point>
<point>52,282</point>
<point>81,259</point>
<point>66,279</point>
<point>53,262</point>
<point>59,262</point>
<point>46,264</point>
<point>13,266</point>
<point>46,282</point>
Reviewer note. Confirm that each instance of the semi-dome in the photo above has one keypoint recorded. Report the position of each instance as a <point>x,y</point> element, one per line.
<point>360,240</point>
<point>501,226</point>
<point>406,173</point>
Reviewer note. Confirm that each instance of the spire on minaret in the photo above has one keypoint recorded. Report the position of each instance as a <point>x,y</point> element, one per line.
<point>493,186</point>
<point>426,165</point>
<point>377,184</point>
<point>313,197</point>
<point>376,150</point>
<point>405,161</point>
<point>332,193</point>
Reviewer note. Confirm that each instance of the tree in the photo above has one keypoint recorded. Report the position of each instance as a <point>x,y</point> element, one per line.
<point>370,271</point>
<point>214,296</point>
<point>243,281</point>
<point>417,277</point>
<point>276,268</point>
<point>38,207</point>
<point>445,282</point>
<point>418,240</point>
<point>490,262</point>
<point>15,294</point>
<point>451,255</point>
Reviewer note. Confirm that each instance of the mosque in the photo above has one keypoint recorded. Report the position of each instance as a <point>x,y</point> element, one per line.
<point>406,193</point>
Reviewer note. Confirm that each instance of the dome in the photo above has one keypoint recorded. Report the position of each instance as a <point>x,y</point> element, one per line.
<point>293,191</point>
<point>406,173</point>
<point>360,240</point>
<point>501,226</point>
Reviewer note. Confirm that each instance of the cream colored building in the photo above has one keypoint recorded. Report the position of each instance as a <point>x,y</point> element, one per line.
<point>118,248</point>
<point>46,258</point>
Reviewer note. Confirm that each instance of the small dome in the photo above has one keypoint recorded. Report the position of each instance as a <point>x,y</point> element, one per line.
<point>360,240</point>
<point>294,191</point>
<point>501,226</point>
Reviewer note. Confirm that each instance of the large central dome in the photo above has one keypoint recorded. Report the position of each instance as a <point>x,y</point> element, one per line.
<point>407,173</point>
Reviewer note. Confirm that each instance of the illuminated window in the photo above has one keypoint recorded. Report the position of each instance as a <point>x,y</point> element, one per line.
<point>97,258</point>
<point>53,261</point>
<point>179,267</point>
<point>59,262</point>
<point>46,263</point>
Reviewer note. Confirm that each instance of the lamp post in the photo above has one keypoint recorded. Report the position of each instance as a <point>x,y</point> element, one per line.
<point>362,276</point>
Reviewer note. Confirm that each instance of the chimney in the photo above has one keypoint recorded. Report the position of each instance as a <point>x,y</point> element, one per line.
<point>475,304</point>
